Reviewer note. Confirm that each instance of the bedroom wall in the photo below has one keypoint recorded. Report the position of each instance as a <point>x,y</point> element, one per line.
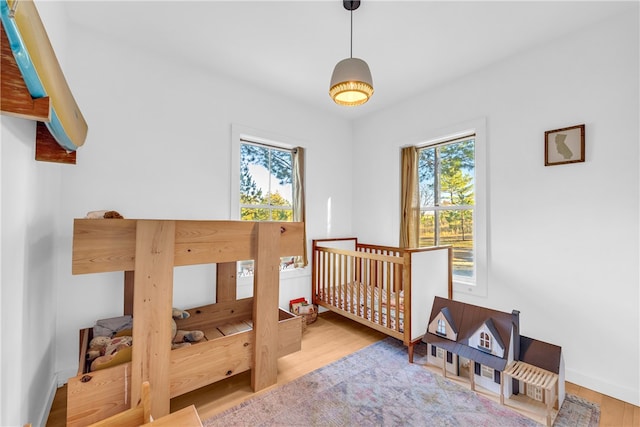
<point>159,147</point>
<point>29,206</point>
<point>30,197</point>
<point>563,240</point>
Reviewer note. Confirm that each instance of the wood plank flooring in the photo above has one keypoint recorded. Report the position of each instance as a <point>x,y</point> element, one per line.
<point>330,338</point>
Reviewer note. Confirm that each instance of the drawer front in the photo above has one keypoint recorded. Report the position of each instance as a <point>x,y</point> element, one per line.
<point>207,362</point>
<point>97,395</point>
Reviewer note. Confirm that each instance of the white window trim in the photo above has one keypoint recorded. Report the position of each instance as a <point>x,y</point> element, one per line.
<point>477,127</point>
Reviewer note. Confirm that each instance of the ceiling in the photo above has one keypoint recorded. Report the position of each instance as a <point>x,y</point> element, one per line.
<point>291,47</point>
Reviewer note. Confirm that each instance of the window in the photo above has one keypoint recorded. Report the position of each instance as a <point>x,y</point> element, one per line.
<point>487,372</point>
<point>266,185</point>
<point>446,185</point>
<point>442,327</point>
<point>534,392</point>
<point>485,341</point>
<point>444,199</point>
<point>440,353</point>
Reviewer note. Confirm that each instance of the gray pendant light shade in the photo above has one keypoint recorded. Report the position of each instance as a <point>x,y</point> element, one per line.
<point>351,82</point>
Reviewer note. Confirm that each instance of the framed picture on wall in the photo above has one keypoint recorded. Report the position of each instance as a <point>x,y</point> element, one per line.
<point>562,146</point>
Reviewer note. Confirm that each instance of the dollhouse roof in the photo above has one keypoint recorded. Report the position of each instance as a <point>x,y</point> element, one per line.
<point>447,315</point>
<point>469,319</point>
<point>541,354</point>
<point>503,326</point>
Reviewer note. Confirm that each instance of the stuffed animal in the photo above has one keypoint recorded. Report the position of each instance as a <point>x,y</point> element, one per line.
<point>105,351</point>
<point>103,214</point>
<point>180,338</point>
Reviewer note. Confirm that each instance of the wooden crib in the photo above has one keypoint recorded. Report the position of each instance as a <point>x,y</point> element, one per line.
<point>386,288</point>
<point>147,251</point>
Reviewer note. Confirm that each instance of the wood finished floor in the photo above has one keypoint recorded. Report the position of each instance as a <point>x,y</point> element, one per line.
<point>330,338</point>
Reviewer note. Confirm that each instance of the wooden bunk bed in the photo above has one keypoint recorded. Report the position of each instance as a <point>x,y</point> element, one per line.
<point>147,251</point>
<point>386,288</point>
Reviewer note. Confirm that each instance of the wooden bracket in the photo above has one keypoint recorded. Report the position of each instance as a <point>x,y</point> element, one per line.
<point>48,149</point>
<point>16,99</point>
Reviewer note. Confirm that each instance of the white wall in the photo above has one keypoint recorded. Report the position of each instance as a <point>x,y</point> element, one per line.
<point>563,240</point>
<point>29,207</point>
<point>159,147</point>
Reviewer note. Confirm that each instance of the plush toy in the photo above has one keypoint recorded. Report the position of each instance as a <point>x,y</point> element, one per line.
<point>180,338</point>
<point>103,214</point>
<point>107,351</point>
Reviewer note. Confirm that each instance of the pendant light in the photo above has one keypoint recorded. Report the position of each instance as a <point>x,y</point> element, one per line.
<point>351,82</point>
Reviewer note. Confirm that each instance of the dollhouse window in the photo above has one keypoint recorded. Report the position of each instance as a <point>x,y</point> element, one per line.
<point>442,327</point>
<point>485,341</point>
<point>534,392</point>
<point>440,353</point>
<point>487,372</point>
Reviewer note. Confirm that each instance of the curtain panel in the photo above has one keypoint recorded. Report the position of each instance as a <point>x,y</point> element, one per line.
<point>410,200</point>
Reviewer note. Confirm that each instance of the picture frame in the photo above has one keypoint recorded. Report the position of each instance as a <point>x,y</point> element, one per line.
<point>565,145</point>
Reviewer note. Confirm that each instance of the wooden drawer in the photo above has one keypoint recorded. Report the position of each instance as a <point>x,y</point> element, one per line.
<point>109,387</point>
<point>93,396</point>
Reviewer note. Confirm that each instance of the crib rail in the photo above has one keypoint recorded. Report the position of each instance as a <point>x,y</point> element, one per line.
<point>363,284</point>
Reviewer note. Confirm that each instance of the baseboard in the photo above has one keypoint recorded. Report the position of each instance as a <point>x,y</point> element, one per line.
<point>44,414</point>
<point>626,394</point>
<point>64,375</point>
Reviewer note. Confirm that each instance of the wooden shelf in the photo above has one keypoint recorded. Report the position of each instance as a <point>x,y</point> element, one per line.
<point>58,106</point>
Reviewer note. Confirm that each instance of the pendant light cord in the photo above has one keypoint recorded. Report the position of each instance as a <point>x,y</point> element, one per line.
<point>351,44</point>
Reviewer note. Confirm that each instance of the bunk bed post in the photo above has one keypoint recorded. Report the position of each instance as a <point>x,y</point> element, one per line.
<point>128,292</point>
<point>266,284</point>
<point>152,299</point>
<point>226,281</point>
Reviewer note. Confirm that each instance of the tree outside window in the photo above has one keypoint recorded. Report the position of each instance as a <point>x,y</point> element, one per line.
<point>266,189</point>
<point>447,200</point>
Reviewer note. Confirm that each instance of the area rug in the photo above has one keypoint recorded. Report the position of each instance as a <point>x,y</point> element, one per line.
<point>376,386</point>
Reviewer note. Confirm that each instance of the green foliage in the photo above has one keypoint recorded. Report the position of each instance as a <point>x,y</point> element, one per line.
<point>257,206</point>
<point>249,192</point>
<point>446,179</point>
<point>450,165</point>
<point>277,162</point>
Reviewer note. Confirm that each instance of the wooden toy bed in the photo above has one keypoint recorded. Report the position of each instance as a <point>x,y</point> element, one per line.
<point>147,251</point>
<point>387,288</point>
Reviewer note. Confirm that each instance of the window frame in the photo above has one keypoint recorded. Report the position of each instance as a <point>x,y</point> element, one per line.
<point>477,287</point>
<point>487,372</point>
<point>484,341</point>
<point>269,207</point>
<point>257,136</point>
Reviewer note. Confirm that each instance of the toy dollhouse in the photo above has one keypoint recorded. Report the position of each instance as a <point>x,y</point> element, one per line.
<point>485,346</point>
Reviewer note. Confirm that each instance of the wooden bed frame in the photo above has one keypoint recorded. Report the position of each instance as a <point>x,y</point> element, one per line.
<point>147,251</point>
<point>367,282</point>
